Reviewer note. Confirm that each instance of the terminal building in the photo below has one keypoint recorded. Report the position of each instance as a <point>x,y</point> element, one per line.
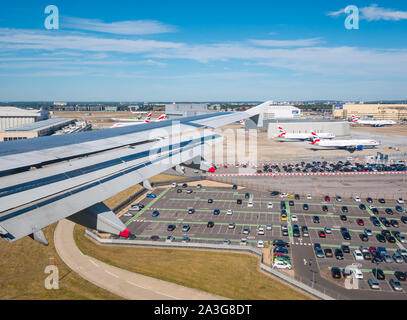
<point>11,117</point>
<point>373,111</point>
<point>35,130</point>
<point>177,111</point>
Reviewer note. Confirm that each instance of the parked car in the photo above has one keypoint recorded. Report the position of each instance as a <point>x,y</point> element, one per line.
<point>395,284</point>
<point>336,273</point>
<point>151,195</point>
<point>373,284</point>
<point>378,274</point>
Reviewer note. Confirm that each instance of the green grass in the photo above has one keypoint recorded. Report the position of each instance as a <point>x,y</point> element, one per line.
<point>232,275</point>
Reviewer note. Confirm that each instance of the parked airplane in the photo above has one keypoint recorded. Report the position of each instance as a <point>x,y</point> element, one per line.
<point>283,135</point>
<point>132,123</point>
<point>350,145</point>
<point>75,173</point>
<point>373,123</point>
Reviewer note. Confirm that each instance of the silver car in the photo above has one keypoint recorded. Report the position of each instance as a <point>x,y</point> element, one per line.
<point>387,258</point>
<point>395,284</point>
<point>368,232</point>
<point>398,258</point>
<point>373,283</point>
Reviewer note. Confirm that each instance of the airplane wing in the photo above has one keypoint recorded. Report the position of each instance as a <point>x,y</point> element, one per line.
<point>47,179</point>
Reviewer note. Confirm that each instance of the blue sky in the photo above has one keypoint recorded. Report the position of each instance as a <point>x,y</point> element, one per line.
<point>202,51</point>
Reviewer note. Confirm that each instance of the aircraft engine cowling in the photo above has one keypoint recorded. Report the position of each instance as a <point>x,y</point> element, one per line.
<point>360,148</point>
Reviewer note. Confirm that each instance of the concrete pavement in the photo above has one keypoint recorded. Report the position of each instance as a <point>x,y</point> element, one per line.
<point>118,281</point>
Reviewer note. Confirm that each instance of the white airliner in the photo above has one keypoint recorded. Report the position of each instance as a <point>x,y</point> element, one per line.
<point>283,135</point>
<point>133,123</point>
<point>373,123</point>
<point>350,145</point>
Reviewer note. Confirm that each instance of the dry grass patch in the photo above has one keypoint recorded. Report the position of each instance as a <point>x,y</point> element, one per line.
<point>22,265</point>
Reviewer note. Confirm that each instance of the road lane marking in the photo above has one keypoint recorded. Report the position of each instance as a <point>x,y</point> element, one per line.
<point>112,274</point>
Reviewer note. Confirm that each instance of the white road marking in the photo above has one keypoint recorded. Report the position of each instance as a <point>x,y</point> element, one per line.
<point>94,263</point>
<point>136,285</point>
<point>167,295</point>
<point>112,274</point>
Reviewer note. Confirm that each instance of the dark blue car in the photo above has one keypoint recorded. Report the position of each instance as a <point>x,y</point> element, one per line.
<point>151,195</point>
<point>216,212</point>
<point>155,213</point>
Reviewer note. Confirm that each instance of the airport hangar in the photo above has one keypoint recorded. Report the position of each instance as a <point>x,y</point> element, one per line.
<point>11,117</point>
<point>375,111</point>
<point>35,130</point>
<point>289,118</point>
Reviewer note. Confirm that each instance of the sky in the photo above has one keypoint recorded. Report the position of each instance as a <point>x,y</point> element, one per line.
<point>143,50</point>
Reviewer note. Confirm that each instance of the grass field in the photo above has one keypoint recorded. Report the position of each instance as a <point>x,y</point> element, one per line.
<point>231,275</point>
<point>22,276</point>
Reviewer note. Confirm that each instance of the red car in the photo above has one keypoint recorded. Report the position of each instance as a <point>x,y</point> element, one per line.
<point>371,249</point>
<point>327,198</point>
<point>360,222</point>
<point>322,234</point>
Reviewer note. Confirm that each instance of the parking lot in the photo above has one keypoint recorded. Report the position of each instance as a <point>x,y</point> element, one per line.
<point>173,210</point>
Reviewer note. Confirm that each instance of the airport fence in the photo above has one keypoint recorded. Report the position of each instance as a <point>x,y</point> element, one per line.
<point>314,289</point>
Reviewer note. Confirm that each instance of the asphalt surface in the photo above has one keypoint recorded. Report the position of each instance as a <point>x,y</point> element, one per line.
<point>173,209</point>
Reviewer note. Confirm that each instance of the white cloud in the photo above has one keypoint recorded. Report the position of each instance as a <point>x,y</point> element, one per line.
<point>287,43</point>
<point>43,40</point>
<point>105,53</point>
<point>375,13</point>
<point>140,27</point>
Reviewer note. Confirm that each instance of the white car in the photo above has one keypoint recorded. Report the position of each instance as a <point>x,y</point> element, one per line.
<point>260,231</point>
<point>270,205</point>
<point>400,201</point>
<point>269,227</point>
<point>243,242</point>
<point>328,230</point>
<point>358,255</point>
<point>357,198</point>
<point>358,274</point>
<point>371,207</point>
<point>229,212</point>
<point>260,244</point>
<point>250,204</point>
<point>284,195</point>
<point>309,197</point>
<point>354,270</point>
<point>174,185</point>
<point>281,265</point>
<point>128,214</point>
<point>294,218</point>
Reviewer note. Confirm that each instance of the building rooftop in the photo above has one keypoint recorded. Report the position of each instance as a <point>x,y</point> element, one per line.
<point>18,112</point>
<point>40,125</point>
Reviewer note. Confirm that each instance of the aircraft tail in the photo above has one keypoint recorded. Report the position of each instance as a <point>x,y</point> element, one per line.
<point>162,117</point>
<point>315,138</point>
<point>148,119</point>
<point>281,131</point>
<point>354,118</point>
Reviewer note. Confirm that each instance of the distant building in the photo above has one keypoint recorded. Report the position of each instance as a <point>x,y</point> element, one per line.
<point>35,130</point>
<point>176,110</point>
<point>14,117</point>
<point>375,111</point>
<point>60,103</point>
<point>271,113</point>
